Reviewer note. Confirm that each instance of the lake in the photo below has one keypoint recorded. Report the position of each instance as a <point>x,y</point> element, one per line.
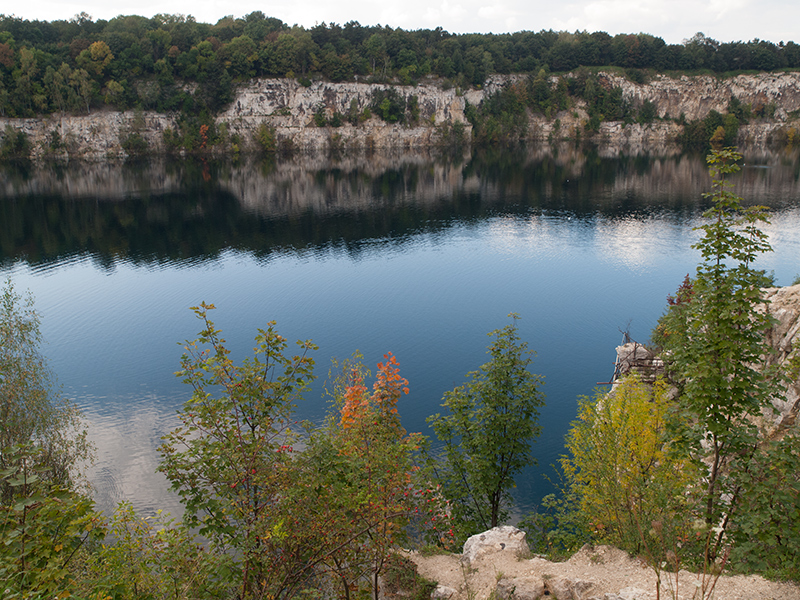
<point>408,253</point>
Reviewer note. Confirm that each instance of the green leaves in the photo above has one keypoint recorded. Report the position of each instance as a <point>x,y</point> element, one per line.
<point>488,434</point>
<point>41,528</point>
<point>766,530</point>
<point>31,409</point>
<point>228,460</point>
<point>714,342</point>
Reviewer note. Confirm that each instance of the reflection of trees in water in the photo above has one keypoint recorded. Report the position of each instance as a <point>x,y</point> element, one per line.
<point>188,211</point>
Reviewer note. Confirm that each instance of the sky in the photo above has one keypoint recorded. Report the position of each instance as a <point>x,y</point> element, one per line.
<point>672,20</point>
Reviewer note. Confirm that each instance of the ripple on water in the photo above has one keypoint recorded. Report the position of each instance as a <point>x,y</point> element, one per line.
<point>125,434</point>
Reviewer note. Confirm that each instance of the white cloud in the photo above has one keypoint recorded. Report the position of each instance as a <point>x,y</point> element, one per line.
<point>724,20</point>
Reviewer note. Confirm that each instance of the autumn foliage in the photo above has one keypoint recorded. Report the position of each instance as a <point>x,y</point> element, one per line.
<point>377,489</point>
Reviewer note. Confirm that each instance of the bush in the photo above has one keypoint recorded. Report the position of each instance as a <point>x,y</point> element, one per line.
<point>647,112</point>
<point>266,139</point>
<point>134,144</point>
<point>621,472</point>
<point>14,144</point>
<point>389,105</point>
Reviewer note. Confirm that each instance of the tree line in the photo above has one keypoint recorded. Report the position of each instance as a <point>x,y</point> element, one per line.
<point>172,63</point>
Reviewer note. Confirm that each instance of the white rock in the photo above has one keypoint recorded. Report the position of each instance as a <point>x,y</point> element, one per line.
<point>520,588</point>
<point>632,593</point>
<point>442,592</point>
<point>506,539</point>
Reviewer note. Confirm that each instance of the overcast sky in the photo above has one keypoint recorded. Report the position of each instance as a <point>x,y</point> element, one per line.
<point>673,20</point>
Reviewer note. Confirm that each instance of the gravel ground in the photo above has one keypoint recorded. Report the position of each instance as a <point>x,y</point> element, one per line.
<point>598,571</point>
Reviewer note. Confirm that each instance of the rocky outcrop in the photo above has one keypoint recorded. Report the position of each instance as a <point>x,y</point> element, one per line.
<point>695,97</point>
<point>280,103</point>
<point>505,539</point>
<point>290,108</point>
<point>783,337</point>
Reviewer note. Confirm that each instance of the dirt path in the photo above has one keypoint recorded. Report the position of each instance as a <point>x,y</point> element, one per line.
<point>604,569</point>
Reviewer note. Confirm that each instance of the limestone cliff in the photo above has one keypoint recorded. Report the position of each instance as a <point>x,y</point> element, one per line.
<point>290,107</point>
<point>783,337</point>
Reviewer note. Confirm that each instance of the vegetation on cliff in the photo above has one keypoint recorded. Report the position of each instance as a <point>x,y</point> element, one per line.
<point>173,64</point>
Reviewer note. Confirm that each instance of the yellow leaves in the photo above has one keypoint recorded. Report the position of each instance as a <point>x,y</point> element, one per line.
<point>618,456</point>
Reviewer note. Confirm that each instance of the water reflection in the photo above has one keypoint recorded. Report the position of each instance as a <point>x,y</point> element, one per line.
<point>162,213</point>
<point>406,253</point>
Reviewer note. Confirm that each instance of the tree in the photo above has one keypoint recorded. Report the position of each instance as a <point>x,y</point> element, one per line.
<point>95,58</point>
<point>32,411</point>
<point>83,88</point>
<point>715,347</point>
<point>44,520</point>
<point>230,460</point>
<point>621,472</point>
<point>488,434</point>
<point>362,486</point>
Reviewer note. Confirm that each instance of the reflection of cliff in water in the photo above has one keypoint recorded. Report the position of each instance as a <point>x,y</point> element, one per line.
<point>190,210</point>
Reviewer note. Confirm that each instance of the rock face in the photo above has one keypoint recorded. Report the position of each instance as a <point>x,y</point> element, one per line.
<point>783,337</point>
<point>280,103</point>
<point>290,107</point>
<point>695,97</point>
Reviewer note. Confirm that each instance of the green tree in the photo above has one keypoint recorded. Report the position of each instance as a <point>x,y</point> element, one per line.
<point>43,519</point>
<point>488,434</point>
<point>266,139</point>
<point>230,460</point>
<point>714,343</point>
<point>83,88</point>
<point>32,411</point>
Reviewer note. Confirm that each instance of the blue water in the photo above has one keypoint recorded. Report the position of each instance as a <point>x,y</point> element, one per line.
<point>579,267</point>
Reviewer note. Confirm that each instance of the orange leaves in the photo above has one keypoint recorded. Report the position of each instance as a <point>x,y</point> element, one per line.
<point>390,385</point>
<point>359,405</point>
<point>356,400</point>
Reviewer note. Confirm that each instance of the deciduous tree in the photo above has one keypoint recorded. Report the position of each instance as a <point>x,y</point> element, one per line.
<point>32,410</point>
<point>230,460</point>
<point>715,346</point>
<point>619,468</point>
<point>488,434</point>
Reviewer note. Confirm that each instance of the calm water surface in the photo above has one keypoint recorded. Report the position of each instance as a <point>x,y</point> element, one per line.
<point>406,254</point>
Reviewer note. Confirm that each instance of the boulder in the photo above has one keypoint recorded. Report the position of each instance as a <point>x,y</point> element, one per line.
<point>520,588</point>
<point>565,588</point>
<point>442,592</point>
<point>506,539</point>
<point>633,593</point>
